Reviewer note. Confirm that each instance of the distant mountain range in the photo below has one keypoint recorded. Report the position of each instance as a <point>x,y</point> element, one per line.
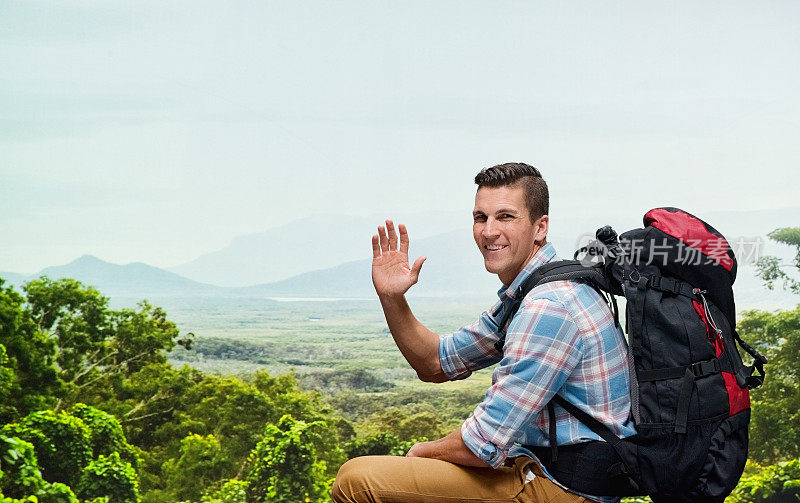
<point>316,242</point>
<point>461,274</point>
<point>135,279</point>
<point>453,268</point>
<point>304,264</point>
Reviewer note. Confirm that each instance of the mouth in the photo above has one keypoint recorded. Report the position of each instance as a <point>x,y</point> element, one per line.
<point>494,248</point>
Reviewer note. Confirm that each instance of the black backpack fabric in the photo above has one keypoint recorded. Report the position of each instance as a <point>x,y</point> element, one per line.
<point>689,387</point>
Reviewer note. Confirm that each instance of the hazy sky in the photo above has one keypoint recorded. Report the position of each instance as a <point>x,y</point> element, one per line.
<point>157,131</point>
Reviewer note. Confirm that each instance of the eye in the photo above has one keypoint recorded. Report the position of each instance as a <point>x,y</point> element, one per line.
<point>479,218</point>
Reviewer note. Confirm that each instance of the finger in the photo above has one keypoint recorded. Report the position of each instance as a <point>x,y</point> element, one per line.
<point>376,247</point>
<point>392,235</point>
<point>383,239</point>
<point>417,267</point>
<point>404,241</point>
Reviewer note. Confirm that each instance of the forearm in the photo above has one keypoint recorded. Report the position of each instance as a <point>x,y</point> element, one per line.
<point>419,346</point>
<point>450,448</point>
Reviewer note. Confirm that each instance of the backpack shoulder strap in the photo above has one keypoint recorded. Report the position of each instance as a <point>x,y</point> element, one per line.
<point>595,277</point>
<point>559,270</point>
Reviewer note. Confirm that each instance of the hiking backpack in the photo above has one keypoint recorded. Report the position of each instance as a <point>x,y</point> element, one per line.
<point>690,398</point>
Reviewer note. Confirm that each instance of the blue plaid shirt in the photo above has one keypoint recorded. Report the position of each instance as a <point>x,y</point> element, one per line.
<point>562,339</point>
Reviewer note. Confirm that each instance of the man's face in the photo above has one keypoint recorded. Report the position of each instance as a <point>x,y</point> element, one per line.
<point>504,232</point>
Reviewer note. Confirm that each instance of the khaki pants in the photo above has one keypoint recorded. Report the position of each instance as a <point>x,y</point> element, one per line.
<point>395,479</point>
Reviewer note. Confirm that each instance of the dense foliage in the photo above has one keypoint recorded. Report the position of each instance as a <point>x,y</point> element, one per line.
<point>775,426</point>
<point>70,366</point>
<point>50,455</point>
<point>31,379</point>
<point>776,483</point>
<point>284,465</point>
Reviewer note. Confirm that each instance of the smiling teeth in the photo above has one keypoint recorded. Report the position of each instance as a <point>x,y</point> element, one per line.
<point>494,247</point>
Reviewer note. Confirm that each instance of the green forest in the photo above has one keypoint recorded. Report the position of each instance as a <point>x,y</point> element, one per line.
<point>99,404</point>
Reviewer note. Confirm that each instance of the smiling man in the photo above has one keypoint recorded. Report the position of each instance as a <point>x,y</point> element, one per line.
<point>563,339</point>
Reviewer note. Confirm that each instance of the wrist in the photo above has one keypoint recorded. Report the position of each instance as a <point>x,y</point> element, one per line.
<point>391,298</point>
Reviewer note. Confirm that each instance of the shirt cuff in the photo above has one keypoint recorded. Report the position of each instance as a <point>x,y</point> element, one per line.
<point>453,367</point>
<point>487,451</point>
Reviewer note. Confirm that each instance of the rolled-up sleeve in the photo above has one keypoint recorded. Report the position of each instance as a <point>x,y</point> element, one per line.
<point>470,348</point>
<point>541,350</point>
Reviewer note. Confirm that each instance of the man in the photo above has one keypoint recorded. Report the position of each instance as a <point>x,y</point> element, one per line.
<point>563,339</point>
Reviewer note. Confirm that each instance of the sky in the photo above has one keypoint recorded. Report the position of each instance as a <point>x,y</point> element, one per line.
<point>157,131</point>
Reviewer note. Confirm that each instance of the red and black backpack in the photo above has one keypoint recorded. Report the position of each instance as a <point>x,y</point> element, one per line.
<point>690,396</point>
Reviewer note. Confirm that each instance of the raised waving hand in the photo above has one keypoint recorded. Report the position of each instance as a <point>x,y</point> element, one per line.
<point>391,273</point>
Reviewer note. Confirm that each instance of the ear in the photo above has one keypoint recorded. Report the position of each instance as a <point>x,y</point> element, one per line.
<point>542,226</point>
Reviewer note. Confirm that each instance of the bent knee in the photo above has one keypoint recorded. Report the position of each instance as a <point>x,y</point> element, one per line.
<point>352,481</point>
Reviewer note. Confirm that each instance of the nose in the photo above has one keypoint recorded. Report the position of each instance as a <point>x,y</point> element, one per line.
<point>490,228</point>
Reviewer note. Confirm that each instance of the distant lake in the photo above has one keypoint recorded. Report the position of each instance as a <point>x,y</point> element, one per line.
<point>317,299</point>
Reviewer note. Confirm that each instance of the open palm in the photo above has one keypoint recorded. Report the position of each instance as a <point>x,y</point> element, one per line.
<point>391,273</point>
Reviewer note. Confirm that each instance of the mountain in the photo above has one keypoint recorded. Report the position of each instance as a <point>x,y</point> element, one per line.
<point>12,278</point>
<point>454,268</point>
<point>113,280</point>
<point>316,242</point>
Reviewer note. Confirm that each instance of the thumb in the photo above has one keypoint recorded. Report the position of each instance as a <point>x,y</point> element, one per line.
<point>417,267</point>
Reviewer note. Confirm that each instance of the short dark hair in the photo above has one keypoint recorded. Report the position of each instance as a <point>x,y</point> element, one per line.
<point>537,197</point>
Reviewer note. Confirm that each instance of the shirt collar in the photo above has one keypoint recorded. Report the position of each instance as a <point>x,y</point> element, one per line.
<point>545,254</point>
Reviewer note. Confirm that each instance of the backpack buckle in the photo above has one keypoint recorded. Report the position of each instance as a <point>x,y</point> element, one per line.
<point>655,282</point>
<point>705,368</point>
<point>630,276</point>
